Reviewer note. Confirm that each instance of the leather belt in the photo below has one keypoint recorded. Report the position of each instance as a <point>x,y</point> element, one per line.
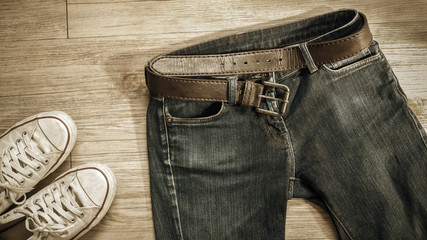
<point>184,76</point>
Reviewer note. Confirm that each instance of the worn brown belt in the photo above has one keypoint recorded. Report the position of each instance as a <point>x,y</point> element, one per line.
<point>184,77</point>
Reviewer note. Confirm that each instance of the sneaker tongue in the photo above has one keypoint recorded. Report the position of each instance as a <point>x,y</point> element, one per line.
<point>40,143</point>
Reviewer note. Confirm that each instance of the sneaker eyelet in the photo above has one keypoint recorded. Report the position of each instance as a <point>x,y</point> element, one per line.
<point>24,133</point>
<point>14,211</point>
<point>54,189</point>
<point>36,201</point>
<point>18,141</point>
<point>62,182</point>
<point>7,197</point>
<point>73,220</point>
<point>46,161</point>
<point>82,215</point>
<point>38,167</point>
<point>30,174</point>
<point>11,148</point>
<point>22,182</point>
<point>46,195</point>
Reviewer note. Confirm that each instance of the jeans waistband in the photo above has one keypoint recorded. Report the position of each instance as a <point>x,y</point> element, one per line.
<point>186,73</point>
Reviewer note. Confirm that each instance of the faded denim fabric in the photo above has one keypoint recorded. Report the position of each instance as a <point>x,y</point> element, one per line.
<point>348,142</point>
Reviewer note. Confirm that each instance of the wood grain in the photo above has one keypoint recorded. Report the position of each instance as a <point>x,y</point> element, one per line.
<point>97,77</point>
<point>32,19</point>
<point>145,17</point>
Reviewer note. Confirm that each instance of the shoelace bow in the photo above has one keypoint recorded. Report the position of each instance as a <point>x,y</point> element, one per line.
<point>12,167</point>
<point>52,213</point>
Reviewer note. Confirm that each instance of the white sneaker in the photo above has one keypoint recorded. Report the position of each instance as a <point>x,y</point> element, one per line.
<point>66,209</point>
<point>30,150</point>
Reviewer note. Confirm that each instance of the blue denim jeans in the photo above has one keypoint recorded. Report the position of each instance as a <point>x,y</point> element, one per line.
<point>348,142</point>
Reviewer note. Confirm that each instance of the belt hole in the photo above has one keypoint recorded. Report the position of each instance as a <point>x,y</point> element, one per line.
<point>280,59</point>
<point>269,60</point>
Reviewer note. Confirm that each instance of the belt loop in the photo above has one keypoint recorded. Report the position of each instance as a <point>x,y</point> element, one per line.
<point>232,90</point>
<point>307,57</point>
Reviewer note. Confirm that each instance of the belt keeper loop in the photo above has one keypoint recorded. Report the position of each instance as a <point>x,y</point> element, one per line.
<point>307,57</point>
<point>232,90</point>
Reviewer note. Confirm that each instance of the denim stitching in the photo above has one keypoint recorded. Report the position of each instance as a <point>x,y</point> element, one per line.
<point>174,195</point>
<point>292,166</point>
<point>338,220</point>
<point>418,127</point>
<point>188,121</point>
<point>365,54</point>
<point>267,130</point>
<point>411,113</point>
<point>355,65</point>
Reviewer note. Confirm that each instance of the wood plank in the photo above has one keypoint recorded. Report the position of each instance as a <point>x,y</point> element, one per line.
<point>146,17</point>
<point>303,215</point>
<point>32,19</point>
<point>101,115</point>
<point>109,1</point>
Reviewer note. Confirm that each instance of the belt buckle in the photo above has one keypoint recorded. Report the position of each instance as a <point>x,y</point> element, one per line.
<point>284,100</point>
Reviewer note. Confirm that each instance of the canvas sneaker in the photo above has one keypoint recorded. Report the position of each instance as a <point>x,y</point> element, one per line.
<point>66,209</point>
<point>31,150</point>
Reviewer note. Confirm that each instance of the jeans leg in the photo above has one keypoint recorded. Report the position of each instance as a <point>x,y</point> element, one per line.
<point>220,176</point>
<point>359,147</point>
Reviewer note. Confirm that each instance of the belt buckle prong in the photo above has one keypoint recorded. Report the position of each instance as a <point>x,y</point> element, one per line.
<point>284,100</point>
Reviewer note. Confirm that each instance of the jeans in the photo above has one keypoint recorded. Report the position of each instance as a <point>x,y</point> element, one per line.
<point>348,142</point>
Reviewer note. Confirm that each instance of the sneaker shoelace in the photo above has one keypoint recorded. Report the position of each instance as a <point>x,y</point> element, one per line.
<point>52,213</point>
<point>13,171</point>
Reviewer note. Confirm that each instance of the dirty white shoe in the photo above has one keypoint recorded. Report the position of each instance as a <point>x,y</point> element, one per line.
<point>30,150</point>
<point>66,209</point>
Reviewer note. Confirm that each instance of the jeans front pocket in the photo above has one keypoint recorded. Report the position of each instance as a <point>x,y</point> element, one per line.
<point>355,62</point>
<point>190,112</point>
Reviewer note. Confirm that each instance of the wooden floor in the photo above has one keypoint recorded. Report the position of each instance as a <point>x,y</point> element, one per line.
<point>86,57</point>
